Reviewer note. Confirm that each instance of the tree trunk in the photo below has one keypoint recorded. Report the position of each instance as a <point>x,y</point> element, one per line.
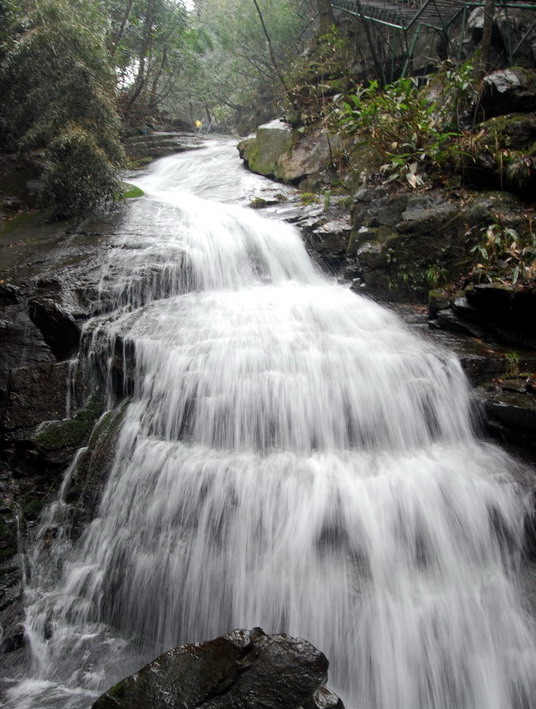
<point>119,34</point>
<point>326,16</point>
<point>150,17</point>
<point>489,11</point>
<point>272,55</point>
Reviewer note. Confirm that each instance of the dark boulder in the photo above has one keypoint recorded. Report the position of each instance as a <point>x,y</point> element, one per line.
<point>505,311</point>
<point>507,91</point>
<point>243,669</point>
<point>509,413</point>
<point>20,341</point>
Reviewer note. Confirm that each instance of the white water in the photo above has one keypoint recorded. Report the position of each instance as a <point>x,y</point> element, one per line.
<point>294,458</point>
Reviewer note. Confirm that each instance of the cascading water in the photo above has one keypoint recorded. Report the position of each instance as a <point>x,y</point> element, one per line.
<point>292,457</point>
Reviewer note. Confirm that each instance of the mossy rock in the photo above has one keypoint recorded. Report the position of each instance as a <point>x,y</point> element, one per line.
<point>94,464</point>
<point>503,151</point>
<point>515,131</point>
<point>140,163</point>
<point>70,433</point>
<point>130,191</point>
<point>263,153</point>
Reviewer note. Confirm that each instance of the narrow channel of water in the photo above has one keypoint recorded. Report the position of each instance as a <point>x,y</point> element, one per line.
<point>293,457</point>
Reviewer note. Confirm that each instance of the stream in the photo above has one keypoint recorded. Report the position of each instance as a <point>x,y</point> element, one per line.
<point>292,457</point>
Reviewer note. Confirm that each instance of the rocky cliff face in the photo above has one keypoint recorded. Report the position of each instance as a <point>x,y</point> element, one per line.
<point>49,280</point>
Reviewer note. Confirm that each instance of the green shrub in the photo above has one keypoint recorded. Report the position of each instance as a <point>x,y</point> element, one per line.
<point>503,255</point>
<point>412,131</point>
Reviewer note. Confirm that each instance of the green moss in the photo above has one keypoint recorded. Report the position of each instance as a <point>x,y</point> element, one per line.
<point>263,152</point>
<point>511,132</point>
<point>70,432</point>
<point>140,163</point>
<point>131,191</point>
<point>109,425</point>
<point>307,198</point>
<point>258,203</point>
<point>31,507</point>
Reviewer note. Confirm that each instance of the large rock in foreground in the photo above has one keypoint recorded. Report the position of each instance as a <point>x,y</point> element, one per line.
<point>242,670</point>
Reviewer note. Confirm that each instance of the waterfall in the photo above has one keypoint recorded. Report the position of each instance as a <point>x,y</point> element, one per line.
<point>292,457</point>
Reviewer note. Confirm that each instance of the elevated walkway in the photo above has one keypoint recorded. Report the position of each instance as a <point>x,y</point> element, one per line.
<point>437,14</point>
<point>399,25</point>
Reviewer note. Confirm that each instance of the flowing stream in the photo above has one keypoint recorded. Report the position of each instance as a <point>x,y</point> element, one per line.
<point>292,457</point>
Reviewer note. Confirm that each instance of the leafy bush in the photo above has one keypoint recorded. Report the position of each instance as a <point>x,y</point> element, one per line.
<point>413,129</point>
<point>504,255</point>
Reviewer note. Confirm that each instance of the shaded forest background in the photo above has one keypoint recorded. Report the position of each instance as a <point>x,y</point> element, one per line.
<point>78,75</point>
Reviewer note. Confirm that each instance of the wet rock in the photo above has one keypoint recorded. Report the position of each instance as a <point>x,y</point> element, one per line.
<point>36,393</point>
<point>466,312</point>
<point>57,441</point>
<point>57,326</point>
<point>374,207</point>
<point>437,300</point>
<point>420,241</point>
<point>12,618</point>
<point>309,155</point>
<point>323,698</point>
<point>91,470</point>
<point>529,528</point>
<point>243,669</point>
<point>505,312</point>
<point>20,340</point>
<point>371,256</point>
<point>447,319</point>
<point>157,145</point>
<point>509,415</point>
<point>495,311</point>
<point>331,238</point>
<point>421,210</point>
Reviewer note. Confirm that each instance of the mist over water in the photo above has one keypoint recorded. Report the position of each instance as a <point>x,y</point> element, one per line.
<point>292,457</point>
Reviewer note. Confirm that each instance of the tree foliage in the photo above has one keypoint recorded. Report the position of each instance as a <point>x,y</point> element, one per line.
<point>235,73</point>
<point>75,74</point>
<point>147,41</point>
<point>57,96</point>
